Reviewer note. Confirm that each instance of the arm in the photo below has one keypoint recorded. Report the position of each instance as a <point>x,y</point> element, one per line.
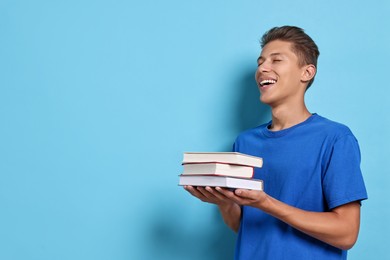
<point>338,227</point>
<point>230,211</point>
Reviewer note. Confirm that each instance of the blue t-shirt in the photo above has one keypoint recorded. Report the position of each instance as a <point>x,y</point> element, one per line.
<point>314,166</point>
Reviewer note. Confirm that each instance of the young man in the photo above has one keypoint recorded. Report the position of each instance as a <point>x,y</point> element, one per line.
<point>310,208</point>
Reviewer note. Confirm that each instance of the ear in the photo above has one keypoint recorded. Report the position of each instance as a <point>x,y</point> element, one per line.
<point>308,72</point>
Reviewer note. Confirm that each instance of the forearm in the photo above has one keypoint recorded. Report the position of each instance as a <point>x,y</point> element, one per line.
<point>335,227</point>
<point>231,215</point>
<point>230,211</point>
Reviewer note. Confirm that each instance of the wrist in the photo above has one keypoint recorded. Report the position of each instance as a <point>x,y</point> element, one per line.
<point>226,207</point>
<point>265,204</point>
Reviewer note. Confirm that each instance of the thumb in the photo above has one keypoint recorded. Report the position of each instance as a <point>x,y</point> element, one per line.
<point>250,194</point>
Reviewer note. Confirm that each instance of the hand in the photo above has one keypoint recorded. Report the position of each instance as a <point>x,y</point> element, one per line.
<point>212,195</point>
<point>245,197</point>
<point>228,201</point>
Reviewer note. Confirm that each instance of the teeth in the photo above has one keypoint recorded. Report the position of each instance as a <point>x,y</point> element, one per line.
<point>267,81</point>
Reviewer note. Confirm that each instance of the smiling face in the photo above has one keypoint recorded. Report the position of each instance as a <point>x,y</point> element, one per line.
<point>279,76</point>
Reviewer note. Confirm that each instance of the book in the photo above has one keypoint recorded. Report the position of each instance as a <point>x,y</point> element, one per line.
<point>231,170</point>
<point>222,157</point>
<point>220,181</point>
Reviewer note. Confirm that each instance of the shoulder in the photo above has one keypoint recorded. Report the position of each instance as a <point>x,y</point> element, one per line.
<point>330,128</point>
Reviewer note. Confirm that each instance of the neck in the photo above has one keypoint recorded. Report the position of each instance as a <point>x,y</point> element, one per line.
<point>284,116</point>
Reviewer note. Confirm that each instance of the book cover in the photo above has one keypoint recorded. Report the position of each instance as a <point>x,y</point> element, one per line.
<point>220,181</point>
<point>225,169</point>
<point>222,157</point>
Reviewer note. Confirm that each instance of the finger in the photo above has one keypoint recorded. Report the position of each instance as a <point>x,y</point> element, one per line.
<point>225,192</point>
<point>247,194</point>
<point>236,196</point>
<point>212,195</point>
<point>230,195</point>
<point>203,194</point>
<point>194,192</point>
<point>205,191</point>
<point>216,193</point>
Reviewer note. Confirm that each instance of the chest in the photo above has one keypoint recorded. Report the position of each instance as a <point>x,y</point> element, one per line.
<point>291,167</point>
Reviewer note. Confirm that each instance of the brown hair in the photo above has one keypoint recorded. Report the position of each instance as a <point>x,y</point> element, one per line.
<point>302,45</point>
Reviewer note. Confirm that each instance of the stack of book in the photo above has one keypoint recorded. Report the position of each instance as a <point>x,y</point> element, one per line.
<point>224,169</point>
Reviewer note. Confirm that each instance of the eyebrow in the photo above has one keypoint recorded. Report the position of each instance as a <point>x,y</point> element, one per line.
<point>272,54</point>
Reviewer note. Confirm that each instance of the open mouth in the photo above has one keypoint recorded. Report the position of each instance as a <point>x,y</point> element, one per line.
<point>267,82</point>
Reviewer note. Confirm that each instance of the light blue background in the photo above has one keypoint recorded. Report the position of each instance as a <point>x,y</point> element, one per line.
<point>99,99</point>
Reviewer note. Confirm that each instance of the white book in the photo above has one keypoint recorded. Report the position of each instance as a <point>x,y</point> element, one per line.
<point>220,181</point>
<point>222,157</point>
<point>231,170</point>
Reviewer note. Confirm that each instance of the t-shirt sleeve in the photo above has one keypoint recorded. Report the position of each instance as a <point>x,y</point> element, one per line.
<point>343,181</point>
<point>234,148</point>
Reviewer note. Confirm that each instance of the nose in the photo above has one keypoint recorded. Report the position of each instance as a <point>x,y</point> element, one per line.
<point>264,67</point>
<point>261,70</point>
